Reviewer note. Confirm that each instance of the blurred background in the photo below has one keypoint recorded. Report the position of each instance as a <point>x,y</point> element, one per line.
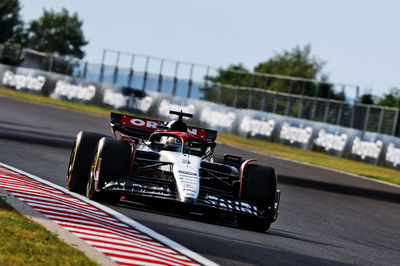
<point>333,62</point>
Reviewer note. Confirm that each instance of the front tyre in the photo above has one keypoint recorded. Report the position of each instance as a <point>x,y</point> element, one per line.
<point>81,160</point>
<point>259,188</point>
<point>253,223</point>
<point>111,162</point>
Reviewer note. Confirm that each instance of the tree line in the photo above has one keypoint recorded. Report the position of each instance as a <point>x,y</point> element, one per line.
<point>298,62</point>
<point>53,32</point>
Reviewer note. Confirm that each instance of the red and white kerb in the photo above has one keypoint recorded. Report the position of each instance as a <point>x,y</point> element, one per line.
<point>122,243</point>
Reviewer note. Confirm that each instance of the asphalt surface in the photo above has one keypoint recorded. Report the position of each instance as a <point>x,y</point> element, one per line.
<point>326,217</point>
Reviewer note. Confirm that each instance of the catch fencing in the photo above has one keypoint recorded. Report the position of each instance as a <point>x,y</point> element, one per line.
<point>275,94</point>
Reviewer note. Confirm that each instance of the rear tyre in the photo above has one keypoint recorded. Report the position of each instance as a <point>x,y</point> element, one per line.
<point>111,161</point>
<point>259,188</point>
<point>81,160</point>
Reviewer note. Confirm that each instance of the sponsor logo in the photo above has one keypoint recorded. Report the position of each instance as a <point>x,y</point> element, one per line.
<point>189,193</point>
<point>187,173</point>
<point>366,149</point>
<point>393,154</point>
<point>190,180</point>
<point>19,81</point>
<point>231,205</point>
<point>115,99</point>
<point>257,127</point>
<point>295,134</point>
<point>200,132</point>
<point>71,91</point>
<point>152,125</point>
<point>154,190</point>
<point>149,124</point>
<point>192,130</point>
<point>190,186</point>
<point>142,104</point>
<point>331,141</point>
<point>187,178</point>
<point>118,100</point>
<point>217,119</point>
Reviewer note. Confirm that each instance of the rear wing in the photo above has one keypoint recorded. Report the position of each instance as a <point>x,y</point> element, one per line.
<point>141,127</point>
<point>137,127</point>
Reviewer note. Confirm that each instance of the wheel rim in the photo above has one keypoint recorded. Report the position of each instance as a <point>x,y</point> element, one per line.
<point>92,184</point>
<point>71,163</point>
<point>89,187</point>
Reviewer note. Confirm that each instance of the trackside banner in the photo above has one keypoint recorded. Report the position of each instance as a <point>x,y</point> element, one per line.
<point>373,148</point>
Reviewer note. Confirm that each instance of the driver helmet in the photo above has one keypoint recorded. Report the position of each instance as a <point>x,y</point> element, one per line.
<point>173,144</point>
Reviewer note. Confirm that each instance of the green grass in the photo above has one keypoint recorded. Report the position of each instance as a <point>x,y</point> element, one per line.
<point>284,151</point>
<point>55,102</point>
<point>24,242</point>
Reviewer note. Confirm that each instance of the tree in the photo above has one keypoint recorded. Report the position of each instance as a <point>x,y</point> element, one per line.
<point>220,89</point>
<point>298,62</point>
<point>367,98</point>
<point>57,32</point>
<point>10,22</point>
<point>232,75</point>
<point>391,99</point>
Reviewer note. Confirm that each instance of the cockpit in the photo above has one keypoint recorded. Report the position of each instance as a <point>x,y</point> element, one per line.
<point>178,143</point>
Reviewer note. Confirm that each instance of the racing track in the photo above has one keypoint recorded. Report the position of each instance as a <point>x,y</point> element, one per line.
<point>326,218</point>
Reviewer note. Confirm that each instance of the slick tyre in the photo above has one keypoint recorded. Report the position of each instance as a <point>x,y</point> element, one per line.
<point>81,160</point>
<point>259,188</point>
<point>111,161</point>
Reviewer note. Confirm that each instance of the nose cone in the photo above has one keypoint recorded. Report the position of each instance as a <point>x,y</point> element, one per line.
<point>187,179</point>
<point>186,174</point>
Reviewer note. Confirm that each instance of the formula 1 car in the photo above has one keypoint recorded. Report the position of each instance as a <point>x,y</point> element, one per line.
<point>154,161</point>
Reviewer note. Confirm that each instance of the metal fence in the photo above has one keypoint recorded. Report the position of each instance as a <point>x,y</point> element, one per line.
<point>289,96</point>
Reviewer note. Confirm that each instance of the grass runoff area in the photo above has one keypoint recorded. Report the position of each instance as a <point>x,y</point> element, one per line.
<point>24,242</point>
<point>261,146</point>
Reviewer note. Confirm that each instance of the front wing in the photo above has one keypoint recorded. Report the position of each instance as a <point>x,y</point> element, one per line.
<point>135,190</point>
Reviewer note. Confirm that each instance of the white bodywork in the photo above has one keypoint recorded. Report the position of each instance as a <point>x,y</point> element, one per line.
<point>185,168</point>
